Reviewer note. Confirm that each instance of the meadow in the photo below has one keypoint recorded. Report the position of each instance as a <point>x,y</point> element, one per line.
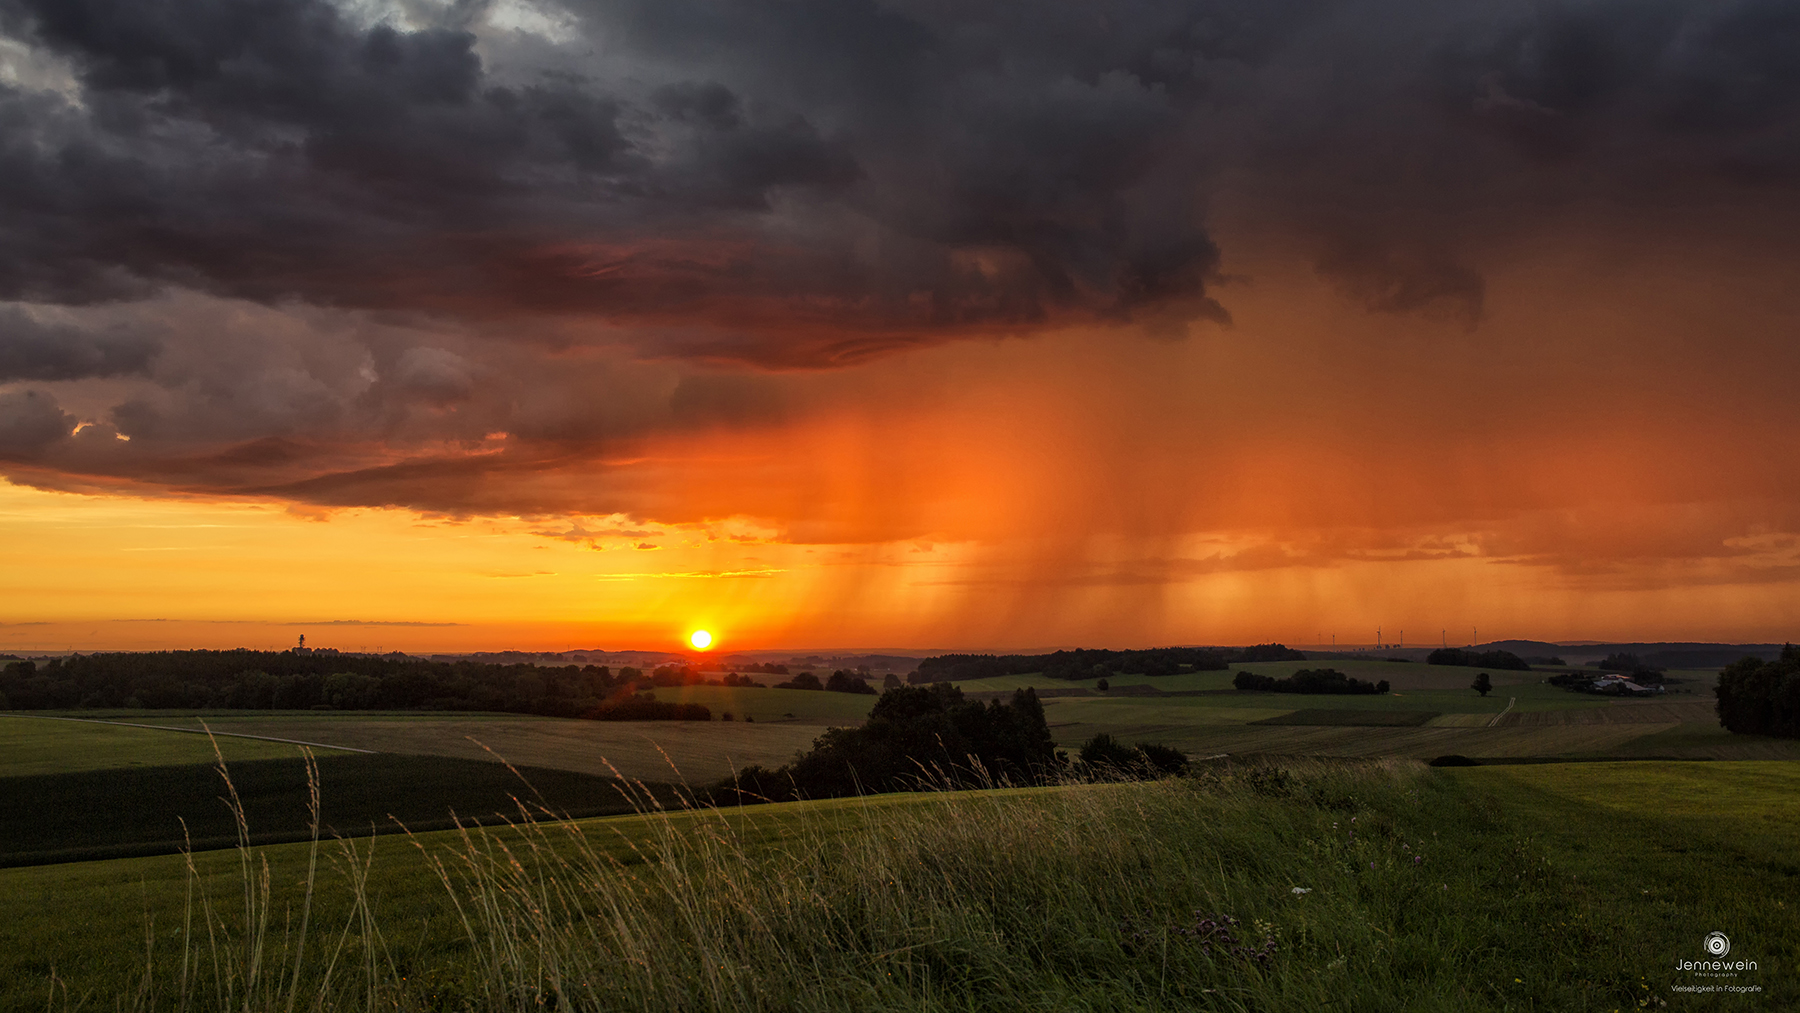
<point>650,750</point>
<point>1306,885</point>
<point>1548,885</point>
<point>1522,718</point>
<point>30,744</point>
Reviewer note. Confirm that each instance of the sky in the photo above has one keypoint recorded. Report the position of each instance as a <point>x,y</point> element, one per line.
<point>929,324</point>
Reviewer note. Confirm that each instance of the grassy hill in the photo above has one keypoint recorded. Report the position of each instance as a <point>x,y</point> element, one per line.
<point>1368,886</point>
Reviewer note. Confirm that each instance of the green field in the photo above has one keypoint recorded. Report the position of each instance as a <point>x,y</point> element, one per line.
<point>699,752</point>
<point>1352,718</point>
<point>1523,717</point>
<point>91,814</point>
<point>801,706</point>
<point>38,745</point>
<point>1553,887</point>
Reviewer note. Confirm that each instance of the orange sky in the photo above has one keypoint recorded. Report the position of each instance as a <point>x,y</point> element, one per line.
<point>922,325</point>
<point>1269,480</point>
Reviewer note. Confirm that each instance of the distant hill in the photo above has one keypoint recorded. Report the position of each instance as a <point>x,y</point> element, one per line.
<point>1657,655</point>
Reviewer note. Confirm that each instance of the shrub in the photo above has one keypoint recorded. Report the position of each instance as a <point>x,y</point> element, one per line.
<point>1105,751</point>
<point>805,680</point>
<point>1454,760</point>
<point>1166,759</point>
<point>1146,759</point>
<point>843,681</point>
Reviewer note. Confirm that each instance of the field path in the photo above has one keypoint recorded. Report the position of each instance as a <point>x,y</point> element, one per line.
<point>1509,706</point>
<point>194,731</point>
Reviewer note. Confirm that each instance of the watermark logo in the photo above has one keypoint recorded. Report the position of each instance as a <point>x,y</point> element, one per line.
<point>1717,947</point>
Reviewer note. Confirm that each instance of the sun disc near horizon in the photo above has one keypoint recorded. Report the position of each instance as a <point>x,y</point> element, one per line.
<point>701,640</point>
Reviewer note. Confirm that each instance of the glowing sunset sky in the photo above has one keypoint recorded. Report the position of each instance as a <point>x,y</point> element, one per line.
<point>844,323</point>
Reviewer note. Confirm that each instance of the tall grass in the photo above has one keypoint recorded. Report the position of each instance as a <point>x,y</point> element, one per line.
<point>1302,886</point>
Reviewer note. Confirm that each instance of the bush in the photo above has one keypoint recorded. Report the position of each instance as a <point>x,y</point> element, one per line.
<point>1105,751</point>
<point>913,734</point>
<point>843,681</point>
<point>1454,760</point>
<point>1166,759</point>
<point>805,680</point>
<point>1146,759</point>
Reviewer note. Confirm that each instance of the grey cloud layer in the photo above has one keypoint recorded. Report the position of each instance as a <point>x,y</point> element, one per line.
<point>32,349</point>
<point>418,221</point>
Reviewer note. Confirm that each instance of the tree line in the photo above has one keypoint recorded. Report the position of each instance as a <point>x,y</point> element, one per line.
<point>1309,680</point>
<point>1091,663</point>
<point>1505,660</point>
<point>320,680</point>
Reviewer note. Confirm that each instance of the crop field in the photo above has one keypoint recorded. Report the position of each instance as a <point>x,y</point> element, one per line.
<point>80,816</point>
<point>1382,886</point>
<point>650,750</point>
<point>802,706</point>
<point>30,744</point>
<point>1431,712</point>
<point>1353,718</point>
<point>1437,715</point>
<point>1402,676</point>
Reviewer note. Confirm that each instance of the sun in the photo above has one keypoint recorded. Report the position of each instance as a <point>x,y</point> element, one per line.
<point>701,640</point>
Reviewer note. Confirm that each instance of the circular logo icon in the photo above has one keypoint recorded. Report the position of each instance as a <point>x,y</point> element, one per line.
<point>1717,945</point>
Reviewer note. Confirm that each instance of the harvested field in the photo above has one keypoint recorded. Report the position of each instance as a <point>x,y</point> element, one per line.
<point>1461,721</point>
<point>1362,718</point>
<point>1622,713</point>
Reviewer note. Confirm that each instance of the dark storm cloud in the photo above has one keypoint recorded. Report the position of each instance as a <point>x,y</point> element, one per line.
<point>34,350</point>
<point>30,420</point>
<point>277,149</point>
<point>362,240</point>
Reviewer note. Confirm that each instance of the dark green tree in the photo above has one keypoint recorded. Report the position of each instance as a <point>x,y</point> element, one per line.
<point>1482,684</point>
<point>804,680</point>
<point>1759,697</point>
<point>914,734</point>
